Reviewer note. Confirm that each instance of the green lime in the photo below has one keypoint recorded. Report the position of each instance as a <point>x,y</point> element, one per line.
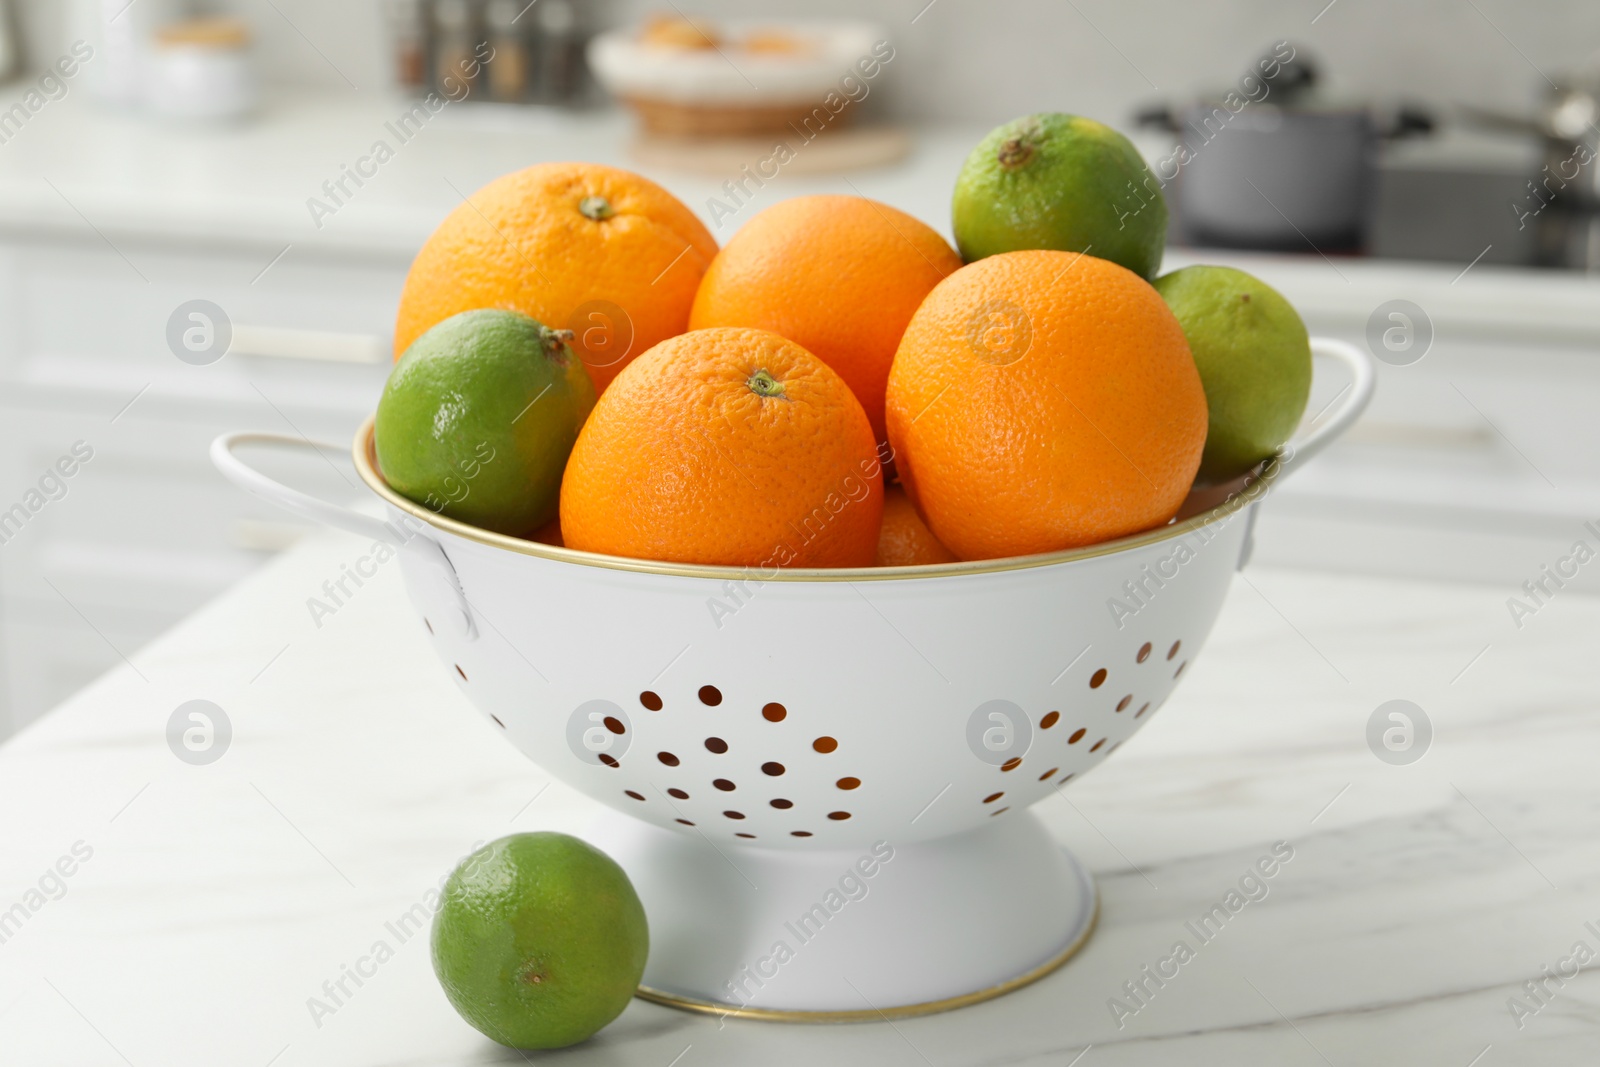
<point>539,940</point>
<point>1254,358</point>
<point>478,418</point>
<point>1062,182</point>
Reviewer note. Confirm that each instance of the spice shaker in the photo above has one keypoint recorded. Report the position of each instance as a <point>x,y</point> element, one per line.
<point>560,49</point>
<point>457,62</point>
<point>408,35</point>
<point>510,70</point>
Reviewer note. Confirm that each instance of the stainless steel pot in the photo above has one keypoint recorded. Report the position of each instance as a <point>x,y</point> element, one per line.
<point>1279,178</point>
<point>1561,201</point>
<point>1273,165</point>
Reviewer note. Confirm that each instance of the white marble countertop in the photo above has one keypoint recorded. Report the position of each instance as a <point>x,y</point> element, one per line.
<point>216,900</point>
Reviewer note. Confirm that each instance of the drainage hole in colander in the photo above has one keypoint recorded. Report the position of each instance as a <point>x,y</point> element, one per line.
<point>614,724</point>
<point>724,785</point>
<point>1097,679</point>
<point>999,811</point>
<point>1142,710</point>
<point>1173,651</point>
<point>650,700</point>
<point>781,804</point>
<point>1122,705</point>
<point>1049,720</point>
<point>992,797</point>
<point>774,712</point>
<point>677,793</point>
<point>717,745</point>
<point>1181,666</point>
<point>636,796</point>
<point>734,814</point>
<point>1097,745</point>
<point>1144,652</point>
<point>1011,764</point>
<point>710,696</point>
<point>608,759</point>
<point>824,745</point>
<point>1048,773</point>
<point>464,673</point>
<point>685,822</point>
<point>848,783</point>
<point>668,758</point>
<point>1077,735</point>
<point>751,836</point>
<point>497,721</point>
<point>838,816</point>
<point>771,768</point>
<point>799,833</point>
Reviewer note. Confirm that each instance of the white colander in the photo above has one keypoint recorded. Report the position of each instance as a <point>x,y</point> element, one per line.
<point>825,773</point>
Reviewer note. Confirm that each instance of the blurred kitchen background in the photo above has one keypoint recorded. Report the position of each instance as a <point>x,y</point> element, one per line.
<point>1420,178</point>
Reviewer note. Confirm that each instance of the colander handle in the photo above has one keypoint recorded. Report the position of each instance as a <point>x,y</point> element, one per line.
<point>442,586</point>
<point>1347,405</point>
<point>306,506</point>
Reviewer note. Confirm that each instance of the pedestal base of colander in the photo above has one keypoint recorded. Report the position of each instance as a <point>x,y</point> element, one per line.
<point>888,929</point>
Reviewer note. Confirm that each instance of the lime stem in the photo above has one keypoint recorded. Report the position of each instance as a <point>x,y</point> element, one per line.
<point>555,341</point>
<point>762,383</point>
<point>1014,153</point>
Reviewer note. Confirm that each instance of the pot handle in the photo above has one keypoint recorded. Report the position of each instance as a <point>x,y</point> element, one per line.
<point>440,592</point>
<point>306,506</point>
<point>1351,402</point>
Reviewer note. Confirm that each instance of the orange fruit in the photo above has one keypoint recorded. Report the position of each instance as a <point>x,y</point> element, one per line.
<point>838,275</point>
<point>1044,400</point>
<point>579,246</point>
<point>727,446</point>
<point>905,540</point>
<point>548,534</point>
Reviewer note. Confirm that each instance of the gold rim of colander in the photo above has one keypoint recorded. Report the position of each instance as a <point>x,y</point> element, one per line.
<point>906,1011</point>
<point>366,465</point>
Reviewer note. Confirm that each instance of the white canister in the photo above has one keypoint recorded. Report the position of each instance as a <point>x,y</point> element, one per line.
<point>202,69</point>
<point>120,34</point>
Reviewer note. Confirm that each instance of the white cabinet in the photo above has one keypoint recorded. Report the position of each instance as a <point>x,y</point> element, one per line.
<point>145,530</point>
